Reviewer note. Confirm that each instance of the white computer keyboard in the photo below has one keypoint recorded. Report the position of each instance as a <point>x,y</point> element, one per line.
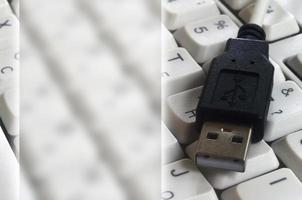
<point>71,80</point>
<point>9,110</point>
<point>93,78</point>
<point>195,31</point>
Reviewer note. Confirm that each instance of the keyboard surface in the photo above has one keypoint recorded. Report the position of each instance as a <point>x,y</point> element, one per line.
<point>91,109</point>
<point>9,110</point>
<point>273,166</point>
<point>70,107</point>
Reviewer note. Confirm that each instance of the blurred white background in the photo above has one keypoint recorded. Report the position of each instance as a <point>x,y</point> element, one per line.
<point>90,99</point>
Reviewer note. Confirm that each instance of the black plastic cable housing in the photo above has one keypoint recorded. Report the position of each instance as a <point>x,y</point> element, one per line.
<point>251,31</point>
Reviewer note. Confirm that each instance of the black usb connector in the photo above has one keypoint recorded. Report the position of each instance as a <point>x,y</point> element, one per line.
<point>233,107</point>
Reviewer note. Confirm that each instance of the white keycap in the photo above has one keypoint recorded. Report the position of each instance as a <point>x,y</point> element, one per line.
<point>183,181</point>
<point>278,74</point>
<point>284,49</point>
<point>294,7</point>
<point>206,38</point>
<point>177,13</point>
<point>206,66</point>
<point>5,8</point>
<point>180,72</point>
<point>168,41</point>
<point>278,185</point>
<point>260,159</point>
<point>9,171</point>
<point>238,4</point>
<point>275,21</point>
<point>9,69</point>
<point>9,27</point>
<point>3,3</point>
<point>9,111</point>
<point>289,150</point>
<point>16,147</point>
<point>181,115</point>
<point>171,150</point>
<point>26,189</point>
<point>285,112</point>
<point>295,64</point>
<point>16,6</point>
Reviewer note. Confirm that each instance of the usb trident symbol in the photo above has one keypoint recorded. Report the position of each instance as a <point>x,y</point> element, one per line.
<point>237,93</point>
